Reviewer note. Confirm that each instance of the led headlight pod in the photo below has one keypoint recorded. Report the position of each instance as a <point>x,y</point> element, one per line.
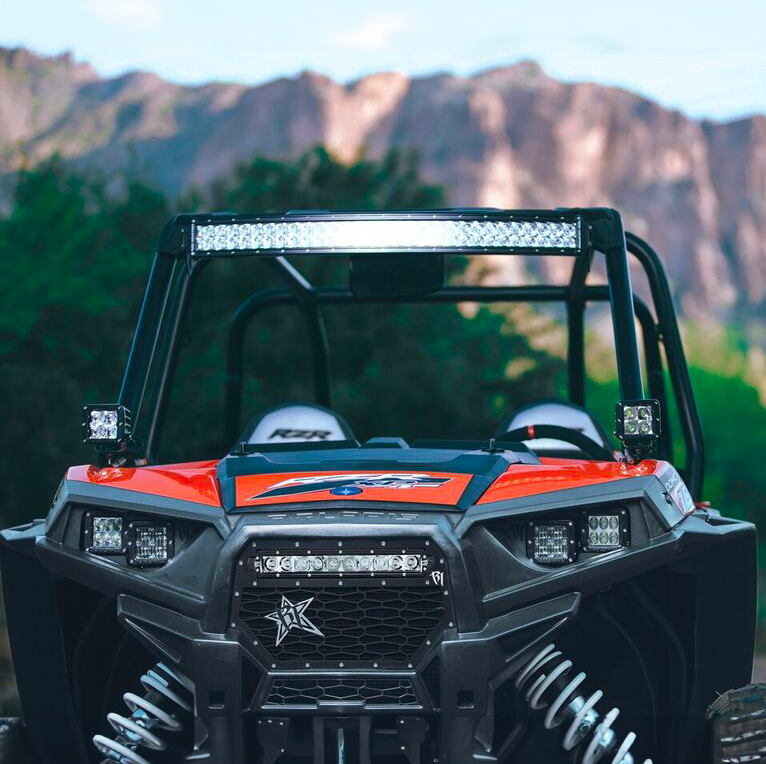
<point>103,533</point>
<point>604,530</point>
<point>150,543</point>
<point>552,543</point>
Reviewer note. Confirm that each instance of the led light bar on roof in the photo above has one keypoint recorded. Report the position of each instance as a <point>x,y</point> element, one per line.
<point>390,234</point>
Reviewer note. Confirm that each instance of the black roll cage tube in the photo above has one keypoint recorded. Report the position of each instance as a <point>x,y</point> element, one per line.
<point>174,271</point>
<point>269,298</point>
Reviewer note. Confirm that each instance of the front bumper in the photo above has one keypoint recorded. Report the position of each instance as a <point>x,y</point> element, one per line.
<point>439,689</point>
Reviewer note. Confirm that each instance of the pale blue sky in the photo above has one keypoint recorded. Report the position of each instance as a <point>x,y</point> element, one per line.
<point>706,57</point>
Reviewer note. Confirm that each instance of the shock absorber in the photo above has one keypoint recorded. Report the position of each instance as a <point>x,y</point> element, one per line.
<point>169,694</point>
<point>546,681</point>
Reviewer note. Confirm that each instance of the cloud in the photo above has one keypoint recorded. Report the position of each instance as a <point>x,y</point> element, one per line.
<point>375,33</point>
<point>134,13</point>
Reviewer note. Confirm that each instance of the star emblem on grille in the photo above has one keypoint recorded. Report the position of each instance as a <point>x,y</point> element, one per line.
<point>289,616</point>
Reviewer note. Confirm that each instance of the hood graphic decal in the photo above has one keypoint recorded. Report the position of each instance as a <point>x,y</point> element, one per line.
<point>351,484</point>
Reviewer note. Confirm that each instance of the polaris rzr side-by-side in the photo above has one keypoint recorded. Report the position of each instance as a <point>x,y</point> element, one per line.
<point>541,594</point>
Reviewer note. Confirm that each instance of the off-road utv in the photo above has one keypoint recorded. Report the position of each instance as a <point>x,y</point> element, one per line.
<point>539,595</point>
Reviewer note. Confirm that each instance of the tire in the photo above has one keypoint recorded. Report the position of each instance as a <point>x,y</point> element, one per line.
<point>13,749</point>
<point>738,721</point>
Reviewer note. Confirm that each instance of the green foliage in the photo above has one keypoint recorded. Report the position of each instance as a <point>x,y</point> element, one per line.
<point>68,245</point>
<point>75,261</point>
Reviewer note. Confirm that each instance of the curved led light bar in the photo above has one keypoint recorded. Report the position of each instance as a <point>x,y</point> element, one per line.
<point>389,234</point>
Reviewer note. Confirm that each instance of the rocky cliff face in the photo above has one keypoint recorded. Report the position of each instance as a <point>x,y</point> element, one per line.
<point>506,137</point>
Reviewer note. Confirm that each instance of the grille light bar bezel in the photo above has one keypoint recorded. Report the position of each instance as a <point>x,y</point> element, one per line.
<point>344,233</point>
<point>338,564</point>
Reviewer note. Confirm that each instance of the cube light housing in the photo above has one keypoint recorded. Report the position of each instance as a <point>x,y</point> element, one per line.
<point>104,533</point>
<point>552,542</point>
<point>150,543</point>
<point>106,424</point>
<point>604,530</point>
<point>638,424</point>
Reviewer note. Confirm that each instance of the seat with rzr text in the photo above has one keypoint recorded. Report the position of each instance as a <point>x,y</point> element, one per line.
<point>297,423</point>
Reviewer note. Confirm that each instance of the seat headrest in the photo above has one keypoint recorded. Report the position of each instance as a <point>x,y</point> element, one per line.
<point>560,413</point>
<point>298,423</point>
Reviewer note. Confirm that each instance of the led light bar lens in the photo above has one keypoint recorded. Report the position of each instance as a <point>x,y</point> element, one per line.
<point>336,564</point>
<point>551,543</point>
<point>106,534</point>
<point>605,532</point>
<point>389,234</point>
<point>150,544</point>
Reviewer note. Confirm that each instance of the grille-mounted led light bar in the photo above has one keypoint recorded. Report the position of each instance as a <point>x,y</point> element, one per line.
<point>339,564</point>
<point>390,234</point>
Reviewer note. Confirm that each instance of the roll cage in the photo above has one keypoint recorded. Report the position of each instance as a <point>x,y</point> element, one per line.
<point>178,262</point>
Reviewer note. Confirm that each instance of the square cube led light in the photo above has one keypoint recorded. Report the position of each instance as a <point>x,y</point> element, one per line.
<point>106,424</point>
<point>149,543</point>
<point>605,531</point>
<point>103,534</point>
<point>552,543</point>
<point>638,422</point>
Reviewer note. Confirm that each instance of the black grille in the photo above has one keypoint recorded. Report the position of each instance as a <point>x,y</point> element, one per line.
<point>432,679</point>
<point>358,623</point>
<point>380,692</point>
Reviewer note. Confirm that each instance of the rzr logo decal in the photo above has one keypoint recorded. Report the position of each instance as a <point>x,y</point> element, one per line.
<point>289,616</point>
<point>351,484</point>
<point>291,434</point>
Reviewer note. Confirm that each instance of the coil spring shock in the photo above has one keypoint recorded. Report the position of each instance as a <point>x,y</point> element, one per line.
<point>544,682</point>
<point>168,694</point>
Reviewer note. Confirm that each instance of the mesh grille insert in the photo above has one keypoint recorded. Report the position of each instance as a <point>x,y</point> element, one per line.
<point>286,692</point>
<point>358,623</point>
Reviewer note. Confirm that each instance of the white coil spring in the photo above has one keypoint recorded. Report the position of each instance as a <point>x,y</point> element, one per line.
<point>174,689</point>
<point>539,674</point>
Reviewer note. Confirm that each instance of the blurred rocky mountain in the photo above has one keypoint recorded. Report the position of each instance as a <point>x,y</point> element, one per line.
<point>507,137</point>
